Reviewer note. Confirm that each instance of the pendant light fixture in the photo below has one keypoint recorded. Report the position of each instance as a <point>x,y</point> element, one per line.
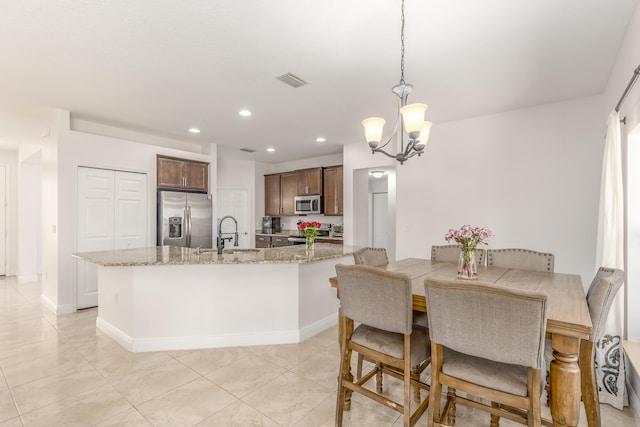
<point>410,117</point>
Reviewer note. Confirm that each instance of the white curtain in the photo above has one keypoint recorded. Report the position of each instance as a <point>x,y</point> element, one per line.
<point>610,253</point>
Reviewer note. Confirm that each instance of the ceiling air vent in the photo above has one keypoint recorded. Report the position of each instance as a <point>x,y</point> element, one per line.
<point>292,80</point>
<point>248,150</point>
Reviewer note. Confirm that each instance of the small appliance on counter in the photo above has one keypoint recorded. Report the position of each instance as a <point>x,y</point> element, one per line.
<point>271,224</point>
<point>337,230</point>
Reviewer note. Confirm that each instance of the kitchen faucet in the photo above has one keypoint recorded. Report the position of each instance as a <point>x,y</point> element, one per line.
<point>221,239</point>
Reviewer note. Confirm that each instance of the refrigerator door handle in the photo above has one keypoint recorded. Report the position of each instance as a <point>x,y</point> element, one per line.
<point>187,217</point>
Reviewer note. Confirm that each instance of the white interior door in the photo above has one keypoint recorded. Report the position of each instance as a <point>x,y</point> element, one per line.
<point>96,228</point>
<point>131,216</point>
<point>380,220</point>
<point>112,214</point>
<point>235,202</point>
<point>3,220</point>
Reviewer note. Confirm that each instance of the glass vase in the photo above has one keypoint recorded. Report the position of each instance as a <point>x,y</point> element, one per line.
<point>310,244</point>
<point>467,267</point>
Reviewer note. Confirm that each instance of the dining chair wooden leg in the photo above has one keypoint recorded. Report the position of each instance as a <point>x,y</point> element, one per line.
<point>451,415</point>
<point>345,358</point>
<point>415,375</point>
<point>533,381</point>
<point>435,394</point>
<point>495,420</point>
<point>588,384</point>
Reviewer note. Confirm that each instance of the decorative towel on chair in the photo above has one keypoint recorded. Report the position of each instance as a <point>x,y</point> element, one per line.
<point>610,369</point>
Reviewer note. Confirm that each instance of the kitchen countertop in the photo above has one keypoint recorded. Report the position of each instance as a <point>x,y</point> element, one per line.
<point>174,255</point>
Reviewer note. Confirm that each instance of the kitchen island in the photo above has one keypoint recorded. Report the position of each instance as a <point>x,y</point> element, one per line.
<point>169,298</point>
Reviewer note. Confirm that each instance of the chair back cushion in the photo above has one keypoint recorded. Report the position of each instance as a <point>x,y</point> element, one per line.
<point>451,253</point>
<point>522,259</point>
<point>484,320</point>
<point>602,292</point>
<point>371,256</point>
<point>376,297</point>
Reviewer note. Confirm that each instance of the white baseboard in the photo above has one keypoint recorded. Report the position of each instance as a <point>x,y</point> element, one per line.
<point>120,337</point>
<point>56,309</point>
<point>195,342</point>
<point>319,326</point>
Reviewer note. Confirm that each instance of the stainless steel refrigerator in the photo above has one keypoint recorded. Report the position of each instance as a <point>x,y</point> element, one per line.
<point>184,219</point>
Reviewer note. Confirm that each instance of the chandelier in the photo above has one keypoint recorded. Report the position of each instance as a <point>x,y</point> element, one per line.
<point>410,116</point>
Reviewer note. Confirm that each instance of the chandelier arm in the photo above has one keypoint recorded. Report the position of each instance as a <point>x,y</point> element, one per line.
<point>395,130</point>
<point>380,150</point>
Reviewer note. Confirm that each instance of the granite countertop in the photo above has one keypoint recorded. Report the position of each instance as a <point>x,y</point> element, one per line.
<point>174,255</point>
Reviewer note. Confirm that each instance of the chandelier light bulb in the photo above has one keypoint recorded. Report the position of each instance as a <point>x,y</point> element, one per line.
<point>373,130</point>
<point>423,138</point>
<point>413,117</point>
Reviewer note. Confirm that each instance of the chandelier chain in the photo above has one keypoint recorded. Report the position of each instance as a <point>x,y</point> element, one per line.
<point>402,45</point>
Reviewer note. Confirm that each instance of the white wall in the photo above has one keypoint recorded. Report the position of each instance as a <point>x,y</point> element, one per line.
<point>531,175</point>
<point>241,174</point>
<point>10,160</point>
<point>30,218</point>
<point>63,152</point>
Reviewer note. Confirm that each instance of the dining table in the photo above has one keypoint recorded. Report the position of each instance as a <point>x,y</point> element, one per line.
<point>568,320</point>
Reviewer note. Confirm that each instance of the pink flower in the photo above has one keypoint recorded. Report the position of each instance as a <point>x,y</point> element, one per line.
<point>469,237</point>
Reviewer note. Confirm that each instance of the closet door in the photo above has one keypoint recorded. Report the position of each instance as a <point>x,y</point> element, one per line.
<point>96,227</point>
<point>112,214</point>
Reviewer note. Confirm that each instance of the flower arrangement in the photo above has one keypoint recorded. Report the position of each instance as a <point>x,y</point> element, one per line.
<point>309,229</point>
<point>468,238</point>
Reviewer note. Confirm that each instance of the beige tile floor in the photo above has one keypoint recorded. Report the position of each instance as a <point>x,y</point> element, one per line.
<point>60,371</point>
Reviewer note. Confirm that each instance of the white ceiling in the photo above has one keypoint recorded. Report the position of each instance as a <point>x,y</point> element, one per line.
<point>165,66</point>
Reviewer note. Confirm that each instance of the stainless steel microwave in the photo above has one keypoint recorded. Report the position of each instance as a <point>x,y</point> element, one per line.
<point>308,204</point>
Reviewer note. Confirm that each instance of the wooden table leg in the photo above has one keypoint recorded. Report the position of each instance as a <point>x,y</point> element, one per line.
<point>565,380</point>
<point>589,384</point>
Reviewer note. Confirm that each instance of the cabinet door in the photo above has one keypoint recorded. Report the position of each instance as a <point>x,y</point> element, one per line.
<point>196,176</point>
<point>288,192</point>
<point>333,191</point>
<point>310,181</point>
<point>339,195</point>
<point>272,195</point>
<point>277,241</point>
<point>314,181</point>
<point>263,241</point>
<point>169,173</point>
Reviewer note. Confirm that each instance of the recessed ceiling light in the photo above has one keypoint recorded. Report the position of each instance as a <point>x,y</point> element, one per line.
<point>377,174</point>
<point>244,113</point>
<point>271,150</point>
<point>320,139</point>
<point>194,130</point>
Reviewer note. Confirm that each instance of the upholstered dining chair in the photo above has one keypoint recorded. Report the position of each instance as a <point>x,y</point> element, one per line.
<point>486,341</point>
<point>375,257</point>
<point>600,296</point>
<point>522,259</point>
<point>381,303</point>
<point>371,256</point>
<point>451,253</point>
